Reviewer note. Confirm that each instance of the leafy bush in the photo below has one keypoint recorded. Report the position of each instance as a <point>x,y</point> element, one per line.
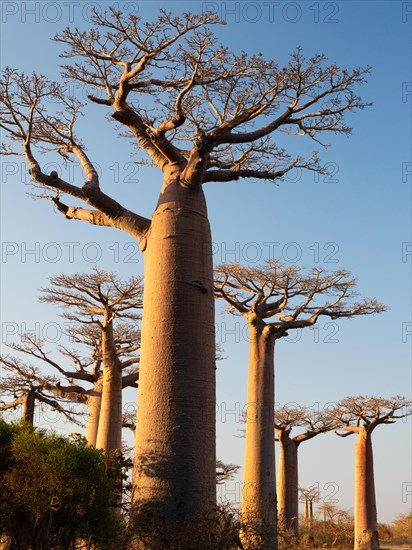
<point>53,491</point>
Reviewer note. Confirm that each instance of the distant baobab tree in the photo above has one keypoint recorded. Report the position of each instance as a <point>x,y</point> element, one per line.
<point>99,307</point>
<point>68,385</point>
<point>309,423</point>
<point>275,299</point>
<point>22,384</point>
<point>225,471</point>
<point>361,415</point>
<point>199,113</point>
<point>308,497</point>
<point>127,342</point>
<point>99,298</point>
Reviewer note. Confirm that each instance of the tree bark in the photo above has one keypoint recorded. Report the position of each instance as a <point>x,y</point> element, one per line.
<point>94,401</point>
<point>310,522</point>
<point>109,433</point>
<point>288,485</point>
<point>28,407</point>
<point>259,481</point>
<point>366,531</point>
<point>174,469</point>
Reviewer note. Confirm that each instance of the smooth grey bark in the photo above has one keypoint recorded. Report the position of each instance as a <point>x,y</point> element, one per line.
<point>288,484</point>
<point>109,433</point>
<point>174,473</point>
<point>29,403</point>
<point>94,401</point>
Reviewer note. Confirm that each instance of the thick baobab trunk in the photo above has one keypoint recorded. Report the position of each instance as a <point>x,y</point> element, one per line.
<point>174,469</point>
<point>259,480</point>
<point>109,433</point>
<point>288,486</point>
<point>366,532</point>
<point>29,403</point>
<point>94,401</point>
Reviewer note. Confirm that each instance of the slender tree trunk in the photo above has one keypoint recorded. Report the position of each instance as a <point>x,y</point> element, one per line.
<point>259,481</point>
<point>288,485</point>
<point>94,401</point>
<point>310,515</point>
<point>109,433</point>
<point>309,520</point>
<point>175,461</point>
<point>28,407</point>
<point>366,531</point>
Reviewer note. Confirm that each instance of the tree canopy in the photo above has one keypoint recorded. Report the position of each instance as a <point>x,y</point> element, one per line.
<point>187,100</point>
<point>289,297</point>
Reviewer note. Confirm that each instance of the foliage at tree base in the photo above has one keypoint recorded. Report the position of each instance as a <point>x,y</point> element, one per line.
<point>53,492</point>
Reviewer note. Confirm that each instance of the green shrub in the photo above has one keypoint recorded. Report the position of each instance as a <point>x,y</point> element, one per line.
<point>53,491</point>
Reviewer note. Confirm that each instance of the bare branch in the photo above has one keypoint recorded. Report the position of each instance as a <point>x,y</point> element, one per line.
<point>357,413</point>
<point>311,422</point>
<point>204,93</point>
<point>288,298</point>
<point>24,117</point>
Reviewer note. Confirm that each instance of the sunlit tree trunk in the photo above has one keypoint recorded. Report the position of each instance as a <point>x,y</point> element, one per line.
<point>175,460</point>
<point>5,542</point>
<point>94,401</point>
<point>259,481</point>
<point>29,403</point>
<point>109,433</point>
<point>288,485</point>
<point>366,531</point>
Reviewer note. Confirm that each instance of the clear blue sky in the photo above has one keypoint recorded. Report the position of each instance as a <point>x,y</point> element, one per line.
<point>361,221</point>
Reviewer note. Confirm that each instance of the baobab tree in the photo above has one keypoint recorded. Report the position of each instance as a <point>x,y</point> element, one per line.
<point>224,471</point>
<point>98,298</point>
<point>361,415</point>
<point>99,307</point>
<point>72,371</point>
<point>308,497</point>
<point>25,386</point>
<point>275,299</point>
<point>199,113</point>
<point>310,423</point>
